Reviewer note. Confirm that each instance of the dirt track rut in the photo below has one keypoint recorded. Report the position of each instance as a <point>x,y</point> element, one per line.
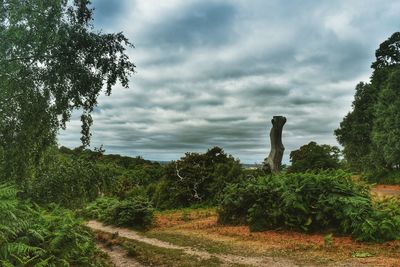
<point>226,258</point>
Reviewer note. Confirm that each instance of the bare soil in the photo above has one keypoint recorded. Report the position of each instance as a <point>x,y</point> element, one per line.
<point>118,256</point>
<point>386,190</point>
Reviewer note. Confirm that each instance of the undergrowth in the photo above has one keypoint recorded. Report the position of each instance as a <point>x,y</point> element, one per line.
<point>33,236</point>
<point>309,202</point>
<point>135,212</point>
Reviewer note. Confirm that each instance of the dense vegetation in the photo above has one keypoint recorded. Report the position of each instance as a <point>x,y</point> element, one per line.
<point>33,236</point>
<point>314,157</point>
<point>370,132</point>
<point>196,179</point>
<point>53,62</point>
<point>326,201</point>
<point>135,212</point>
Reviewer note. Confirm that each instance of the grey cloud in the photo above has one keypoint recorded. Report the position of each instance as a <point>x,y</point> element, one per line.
<point>200,24</point>
<point>214,73</point>
<point>106,11</point>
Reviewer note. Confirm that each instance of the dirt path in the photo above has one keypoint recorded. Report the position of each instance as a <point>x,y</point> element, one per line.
<point>226,258</point>
<point>118,256</point>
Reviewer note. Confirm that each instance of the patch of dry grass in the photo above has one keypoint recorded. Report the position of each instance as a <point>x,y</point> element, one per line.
<point>200,227</point>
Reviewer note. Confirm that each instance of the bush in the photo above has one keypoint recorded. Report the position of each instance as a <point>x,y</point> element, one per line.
<point>382,176</point>
<point>32,236</point>
<point>136,212</point>
<point>196,179</point>
<point>101,209</point>
<point>237,200</point>
<point>69,182</point>
<point>327,201</point>
<point>383,224</point>
<point>314,157</point>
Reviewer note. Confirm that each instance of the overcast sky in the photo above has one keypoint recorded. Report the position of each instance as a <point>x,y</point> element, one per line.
<point>213,73</point>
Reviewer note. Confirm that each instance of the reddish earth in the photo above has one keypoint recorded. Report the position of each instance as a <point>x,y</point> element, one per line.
<point>298,248</point>
<point>386,190</point>
<point>304,249</point>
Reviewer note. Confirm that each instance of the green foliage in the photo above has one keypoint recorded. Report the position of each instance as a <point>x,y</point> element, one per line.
<point>388,53</point>
<point>101,208</point>
<point>196,179</point>
<point>136,212</point>
<point>369,133</point>
<point>383,223</point>
<point>310,202</point>
<point>31,236</point>
<point>314,157</point>
<point>386,132</point>
<point>239,198</point>
<point>70,182</point>
<point>354,133</point>
<point>52,61</point>
<point>383,177</point>
<point>120,176</point>
<point>328,240</point>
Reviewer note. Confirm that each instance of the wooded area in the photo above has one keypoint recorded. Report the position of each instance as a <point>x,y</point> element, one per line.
<point>53,62</point>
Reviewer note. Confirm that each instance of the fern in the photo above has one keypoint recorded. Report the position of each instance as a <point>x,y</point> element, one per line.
<point>311,202</point>
<point>32,236</point>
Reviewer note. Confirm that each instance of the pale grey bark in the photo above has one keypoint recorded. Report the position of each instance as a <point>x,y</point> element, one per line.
<point>274,160</point>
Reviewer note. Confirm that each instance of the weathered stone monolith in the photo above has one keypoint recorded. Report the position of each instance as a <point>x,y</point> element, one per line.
<point>274,160</point>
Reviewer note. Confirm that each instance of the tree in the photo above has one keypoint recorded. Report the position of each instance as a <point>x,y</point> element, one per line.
<point>386,124</point>
<point>388,53</point>
<point>197,178</point>
<point>314,157</point>
<point>354,133</point>
<point>51,63</point>
<point>369,132</point>
<point>386,131</point>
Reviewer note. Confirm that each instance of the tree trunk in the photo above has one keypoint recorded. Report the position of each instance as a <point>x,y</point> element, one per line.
<point>274,159</point>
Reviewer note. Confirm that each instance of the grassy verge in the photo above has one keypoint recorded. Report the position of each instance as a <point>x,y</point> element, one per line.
<point>199,242</point>
<point>150,255</point>
<point>198,228</point>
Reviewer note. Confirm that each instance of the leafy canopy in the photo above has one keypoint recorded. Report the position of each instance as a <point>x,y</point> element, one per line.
<point>314,157</point>
<point>197,178</point>
<point>369,133</point>
<point>52,61</point>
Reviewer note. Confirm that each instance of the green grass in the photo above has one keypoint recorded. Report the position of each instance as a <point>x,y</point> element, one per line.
<point>194,211</point>
<point>192,241</point>
<point>156,256</point>
<point>150,255</point>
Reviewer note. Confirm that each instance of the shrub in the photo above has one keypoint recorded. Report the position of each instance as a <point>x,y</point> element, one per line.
<point>236,201</point>
<point>382,176</point>
<point>310,202</point>
<point>196,179</point>
<point>136,211</point>
<point>101,209</point>
<point>383,224</point>
<point>314,157</point>
<point>70,182</point>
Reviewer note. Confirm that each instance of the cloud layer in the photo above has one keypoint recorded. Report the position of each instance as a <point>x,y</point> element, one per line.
<point>215,72</point>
